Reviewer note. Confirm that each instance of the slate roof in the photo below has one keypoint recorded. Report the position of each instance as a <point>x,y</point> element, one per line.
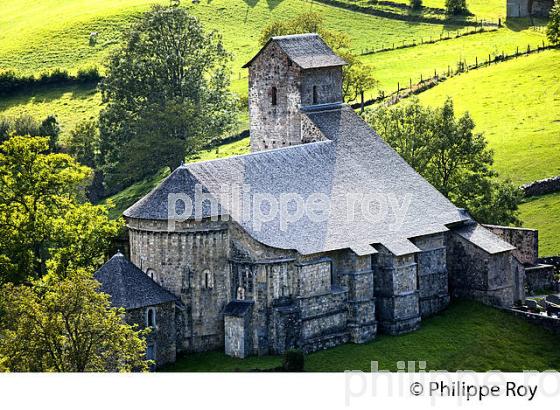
<point>355,160</point>
<point>305,50</point>
<point>128,286</point>
<point>238,308</point>
<point>483,238</point>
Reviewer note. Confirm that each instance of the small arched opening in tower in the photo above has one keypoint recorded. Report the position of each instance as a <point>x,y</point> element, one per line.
<point>315,96</point>
<point>274,96</point>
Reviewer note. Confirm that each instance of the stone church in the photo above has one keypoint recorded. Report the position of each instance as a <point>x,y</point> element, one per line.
<point>220,281</point>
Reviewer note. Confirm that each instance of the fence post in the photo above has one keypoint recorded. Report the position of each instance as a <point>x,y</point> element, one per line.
<point>476,62</point>
<point>448,71</point>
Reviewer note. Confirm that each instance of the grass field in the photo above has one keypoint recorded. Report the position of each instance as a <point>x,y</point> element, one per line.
<point>71,105</point>
<point>399,66</point>
<point>41,35</point>
<point>544,213</point>
<point>517,105</point>
<point>467,336</point>
<point>482,9</point>
<point>38,35</point>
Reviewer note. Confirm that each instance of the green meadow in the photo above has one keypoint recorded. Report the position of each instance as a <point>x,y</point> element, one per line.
<point>424,60</point>
<point>543,212</point>
<point>466,336</point>
<point>517,105</point>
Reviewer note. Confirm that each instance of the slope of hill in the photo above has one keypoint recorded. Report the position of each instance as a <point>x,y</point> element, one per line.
<point>517,105</point>
<point>543,212</point>
<point>39,35</point>
<point>391,67</point>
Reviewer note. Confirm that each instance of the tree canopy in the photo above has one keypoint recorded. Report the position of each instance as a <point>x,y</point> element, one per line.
<point>66,325</point>
<point>553,27</point>
<point>451,156</point>
<point>167,93</point>
<point>44,224</point>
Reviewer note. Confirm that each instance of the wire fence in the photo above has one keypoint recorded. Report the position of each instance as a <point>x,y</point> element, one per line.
<point>462,66</point>
<point>427,40</point>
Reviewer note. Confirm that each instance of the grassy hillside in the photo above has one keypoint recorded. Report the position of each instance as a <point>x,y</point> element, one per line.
<point>467,336</point>
<point>517,105</point>
<point>402,65</point>
<point>40,35</point>
<point>71,104</point>
<point>43,34</point>
<point>544,213</point>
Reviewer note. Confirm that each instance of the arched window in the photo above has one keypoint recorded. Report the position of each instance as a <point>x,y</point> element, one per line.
<point>208,279</point>
<point>315,95</point>
<point>151,317</point>
<point>274,96</point>
<point>151,274</point>
<point>240,293</point>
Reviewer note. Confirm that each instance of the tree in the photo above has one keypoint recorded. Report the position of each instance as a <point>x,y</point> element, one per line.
<point>455,7</point>
<point>357,78</point>
<point>451,156</point>
<point>167,94</point>
<point>83,143</point>
<point>49,128</point>
<point>44,223</point>
<point>27,125</point>
<point>416,4</point>
<point>553,27</point>
<point>66,325</point>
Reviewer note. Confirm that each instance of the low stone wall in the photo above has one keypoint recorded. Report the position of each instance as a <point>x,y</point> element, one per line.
<point>547,322</point>
<point>540,278</point>
<point>542,187</point>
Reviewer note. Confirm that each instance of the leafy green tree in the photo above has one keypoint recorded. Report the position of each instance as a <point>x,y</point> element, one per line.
<point>27,125</point>
<point>167,93</point>
<point>408,129</point>
<point>553,27</point>
<point>66,325</point>
<point>451,156</point>
<point>357,78</point>
<point>43,220</point>
<point>51,129</point>
<point>83,143</point>
<point>416,4</point>
<point>455,7</point>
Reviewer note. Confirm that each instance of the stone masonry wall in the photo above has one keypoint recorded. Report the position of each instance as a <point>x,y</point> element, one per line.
<point>327,83</point>
<point>274,126</point>
<point>432,274</point>
<point>396,294</point>
<point>525,240</point>
<point>476,274</point>
<point>163,336</point>
<point>542,187</point>
<point>192,263</point>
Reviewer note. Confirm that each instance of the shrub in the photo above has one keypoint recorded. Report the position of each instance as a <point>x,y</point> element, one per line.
<point>88,75</point>
<point>294,361</point>
<point>455,7</point>
<point>416,4</point>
